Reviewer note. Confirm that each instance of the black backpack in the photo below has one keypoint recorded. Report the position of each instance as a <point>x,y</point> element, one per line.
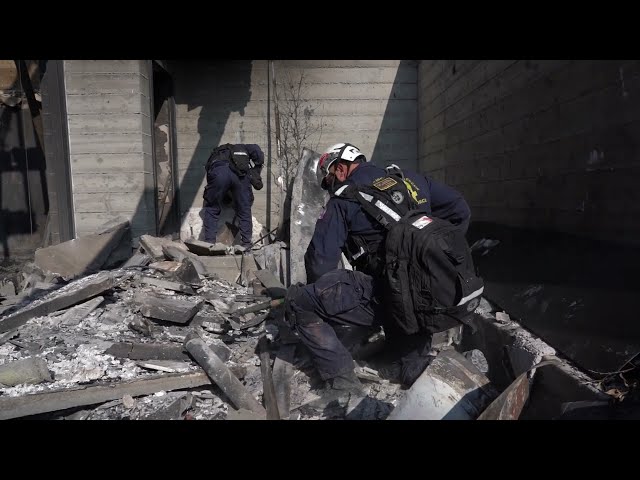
<point>430,280</point>
<point>236,155</point>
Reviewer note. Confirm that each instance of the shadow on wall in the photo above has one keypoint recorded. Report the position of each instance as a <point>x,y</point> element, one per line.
<point>24,198</point>
<point>397,140</point>
<point>579,295</point>
<point>219,88</point>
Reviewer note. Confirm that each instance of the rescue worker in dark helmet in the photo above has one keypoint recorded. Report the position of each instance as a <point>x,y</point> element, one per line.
<point>234,169</point>
<point>335,296</point>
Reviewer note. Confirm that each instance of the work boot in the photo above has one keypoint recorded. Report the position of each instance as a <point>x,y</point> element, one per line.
<point>347,382</point>
<point>338,390</point>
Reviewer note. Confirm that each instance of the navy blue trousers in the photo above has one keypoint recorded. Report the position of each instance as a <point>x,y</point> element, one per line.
<point>220,180</point>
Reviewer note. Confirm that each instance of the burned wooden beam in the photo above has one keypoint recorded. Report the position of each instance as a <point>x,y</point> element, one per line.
<point>98,285</point>
<point>177,254</point>
<point>137,260</point>
<point>282,376</point>
<point>17,407</point>
<point>147,351</point>
<point>76,314</point>
<point>8,336</point>
<point>268,391</point>
<point>174,286</point>
<point>222,376</point>
<point>168,309</point>
<point>251,298</point>
<point>254,322</point>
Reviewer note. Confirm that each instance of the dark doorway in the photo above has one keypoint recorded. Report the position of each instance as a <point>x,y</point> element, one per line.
<point>24,198</point>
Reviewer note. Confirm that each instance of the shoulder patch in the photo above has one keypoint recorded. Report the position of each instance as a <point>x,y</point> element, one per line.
<point>384,183</point>
<point>397,197</point>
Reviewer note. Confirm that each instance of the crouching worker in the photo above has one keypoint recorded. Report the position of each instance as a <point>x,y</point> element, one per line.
<point>403,233</point>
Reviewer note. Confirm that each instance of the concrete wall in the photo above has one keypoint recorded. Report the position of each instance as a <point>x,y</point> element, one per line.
<point>110,145</point>
<point>548,144</point>
<point>372,104</point>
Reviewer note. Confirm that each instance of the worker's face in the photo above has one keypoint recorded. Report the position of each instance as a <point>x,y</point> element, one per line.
<point>337,173</point>
<point>340,171</point>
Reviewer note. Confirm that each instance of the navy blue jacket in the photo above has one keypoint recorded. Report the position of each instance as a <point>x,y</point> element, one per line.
<point>342,218</point>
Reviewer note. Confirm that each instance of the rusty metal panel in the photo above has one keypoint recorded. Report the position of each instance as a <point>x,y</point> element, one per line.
<point>510,403</point>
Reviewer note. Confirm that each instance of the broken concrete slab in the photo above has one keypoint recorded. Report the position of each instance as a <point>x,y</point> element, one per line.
<point>17,407</point>
<point>307,201</point>
<point>72,294</point>
<point>31,370</point>
<point>247,269</point>
<point>7,289</point>
<point>187,273</point>
<point>450,388</point>
<point>205,248</point>
<point>168,309</point>
<point>76,314</point>
<point>175,410</point>
<point>225,267</point>
<point>166,266</point>
<point>8,336</point>
<point>178,255</point>
<point>147,351</point>
<point>167,285</point>
<point>154,246</point>
<point>81,256</point>
<point>138,259</point>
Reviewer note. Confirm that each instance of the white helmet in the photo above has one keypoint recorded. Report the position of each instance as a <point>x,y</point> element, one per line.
<point>339,151</point>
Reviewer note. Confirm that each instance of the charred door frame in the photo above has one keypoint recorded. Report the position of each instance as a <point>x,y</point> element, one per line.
<point>173,218</point>
<point>56,148</point>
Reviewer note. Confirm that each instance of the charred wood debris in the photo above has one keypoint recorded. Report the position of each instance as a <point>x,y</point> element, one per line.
<point>105,327</point>
<point>156,334</point>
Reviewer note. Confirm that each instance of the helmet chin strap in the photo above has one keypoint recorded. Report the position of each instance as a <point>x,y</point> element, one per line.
<point>328,182</point>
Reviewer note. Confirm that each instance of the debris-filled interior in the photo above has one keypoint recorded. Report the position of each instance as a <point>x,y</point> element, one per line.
<point>193,330</point>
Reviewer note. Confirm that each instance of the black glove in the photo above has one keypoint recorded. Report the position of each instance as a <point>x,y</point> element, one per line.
<point>255,179</point>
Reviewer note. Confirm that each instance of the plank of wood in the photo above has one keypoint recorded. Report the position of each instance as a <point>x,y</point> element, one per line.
<point>16,407</point>
<point>275,288</point>
<point>100,284</point>
<point>147,351</point>
<point>268,391</point>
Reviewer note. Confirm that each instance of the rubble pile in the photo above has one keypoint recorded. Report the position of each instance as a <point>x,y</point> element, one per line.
<point>95,330</point>
<point>123,344</point>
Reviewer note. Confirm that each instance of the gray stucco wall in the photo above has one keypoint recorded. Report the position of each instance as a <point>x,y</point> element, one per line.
<point>372,104</point>
<point>110,145</point>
